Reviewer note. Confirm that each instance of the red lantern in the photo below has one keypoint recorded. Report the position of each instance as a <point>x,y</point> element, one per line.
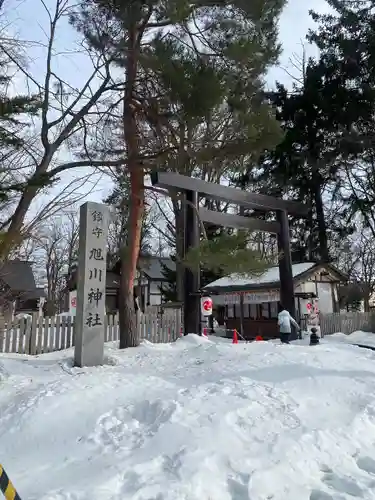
<point>206,306</point>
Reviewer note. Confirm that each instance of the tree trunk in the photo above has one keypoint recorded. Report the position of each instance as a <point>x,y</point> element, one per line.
<point>129,254</point>
<point>180,269</point>
<point>50,307</point>
<point>13,235</point>
<point>320,216</point>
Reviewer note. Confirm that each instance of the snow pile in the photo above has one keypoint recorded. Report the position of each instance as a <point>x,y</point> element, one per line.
<point>198,420</point>
<point>356,338</point>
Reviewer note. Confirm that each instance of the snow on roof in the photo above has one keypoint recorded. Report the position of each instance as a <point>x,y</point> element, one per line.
<point>272,275</point>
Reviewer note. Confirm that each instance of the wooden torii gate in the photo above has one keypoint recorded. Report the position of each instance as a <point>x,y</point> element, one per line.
<point>192,189</point>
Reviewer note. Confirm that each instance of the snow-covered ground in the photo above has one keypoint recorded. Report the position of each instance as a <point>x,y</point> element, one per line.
<point>356,338</point>
<point>196,420</point>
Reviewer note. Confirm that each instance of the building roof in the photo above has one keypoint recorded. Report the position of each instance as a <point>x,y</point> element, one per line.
<point>38,293</point>
<point>152,266</point>
<point>269,279</point>
<point>18,275</point>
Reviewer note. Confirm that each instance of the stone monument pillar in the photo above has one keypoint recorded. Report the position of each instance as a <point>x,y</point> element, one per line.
<point>91,285</point>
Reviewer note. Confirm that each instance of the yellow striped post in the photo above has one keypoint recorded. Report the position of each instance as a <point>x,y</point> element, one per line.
<point>7,487</point>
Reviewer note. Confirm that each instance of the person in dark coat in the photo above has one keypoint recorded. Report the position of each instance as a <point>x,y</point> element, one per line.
<point>314,339</point>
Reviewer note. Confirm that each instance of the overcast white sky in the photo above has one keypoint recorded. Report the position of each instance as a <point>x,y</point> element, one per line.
<point>28,19</point>
<point>294,25</point>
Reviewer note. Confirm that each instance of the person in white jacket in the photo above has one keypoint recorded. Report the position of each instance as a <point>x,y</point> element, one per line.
<point>285,322</point>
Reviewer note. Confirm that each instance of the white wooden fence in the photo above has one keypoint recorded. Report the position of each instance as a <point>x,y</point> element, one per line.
<point>42,335</point>
<point>347,322</point>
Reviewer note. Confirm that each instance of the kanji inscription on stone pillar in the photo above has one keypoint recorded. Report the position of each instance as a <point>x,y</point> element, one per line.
<point>91,285</point>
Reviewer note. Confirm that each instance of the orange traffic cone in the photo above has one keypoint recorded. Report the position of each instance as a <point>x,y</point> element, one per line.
<point>235,337</point>
<point>205,332</point>
<point>258,338</point>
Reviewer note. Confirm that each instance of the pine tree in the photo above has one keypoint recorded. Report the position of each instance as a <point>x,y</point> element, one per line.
<point>118,200</point>
<point>346,40</point>
<point>305,163</point>
<point>328,147</point>
<point>301,163</point>
<point>186,58</point>
<point>169,293</point>
<point>14,114</point>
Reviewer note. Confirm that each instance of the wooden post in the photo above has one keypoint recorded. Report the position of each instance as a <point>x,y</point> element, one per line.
<point>21,339</point>
<point>69,332</point>
<point>48,341</point>
<point>32,343</point>
<point>242,329</point>
<point>192,313</point>
<point>26,339</point>
<point>63,332</point>
<point>178,324</point>
<point>3,331</point>
<point>40,339</point>
<point>285,267</point>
